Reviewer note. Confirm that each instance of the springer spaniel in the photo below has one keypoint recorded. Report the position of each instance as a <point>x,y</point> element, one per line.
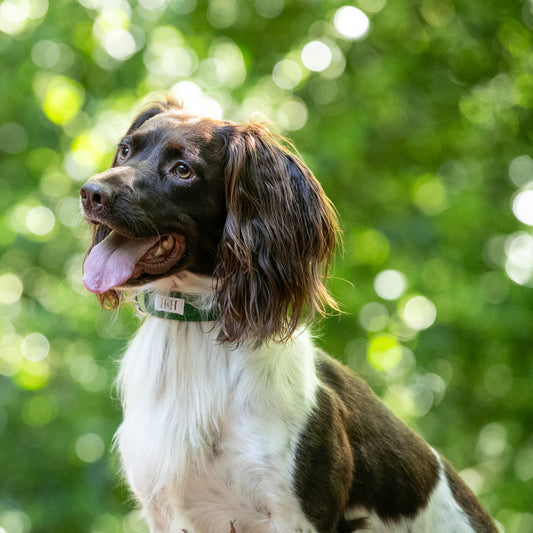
<point>233,419</point>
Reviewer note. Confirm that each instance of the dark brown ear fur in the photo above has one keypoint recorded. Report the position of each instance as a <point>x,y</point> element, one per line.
<point>278,240</point>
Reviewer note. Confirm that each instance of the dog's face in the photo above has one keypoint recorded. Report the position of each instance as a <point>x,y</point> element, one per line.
<point>161,207</point>
<point>218,199</point>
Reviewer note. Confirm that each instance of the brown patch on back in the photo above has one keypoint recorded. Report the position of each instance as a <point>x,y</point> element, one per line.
<point>324,470</point>
<point>395,470</point>
<point>479,519</point>
<point>355,452</point>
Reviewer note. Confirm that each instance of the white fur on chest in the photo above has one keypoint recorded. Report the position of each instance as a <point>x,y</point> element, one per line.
<point>210,432</point>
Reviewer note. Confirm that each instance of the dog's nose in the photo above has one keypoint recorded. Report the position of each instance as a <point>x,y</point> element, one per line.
<point>95,196</point>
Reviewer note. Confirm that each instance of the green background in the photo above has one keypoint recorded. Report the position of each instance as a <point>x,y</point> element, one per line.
<point>420,131</point>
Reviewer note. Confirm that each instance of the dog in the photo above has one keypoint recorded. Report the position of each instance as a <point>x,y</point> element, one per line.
<point>233,419</point>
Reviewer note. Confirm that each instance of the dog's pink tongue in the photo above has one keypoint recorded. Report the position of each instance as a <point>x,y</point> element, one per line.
<point>112,261</point>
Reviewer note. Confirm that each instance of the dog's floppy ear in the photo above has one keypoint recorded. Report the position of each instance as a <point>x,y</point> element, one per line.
<point>278,240</point>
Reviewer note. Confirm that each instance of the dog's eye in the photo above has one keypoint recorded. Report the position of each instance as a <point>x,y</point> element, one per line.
<point>182,171</point>
<point>123,151</point>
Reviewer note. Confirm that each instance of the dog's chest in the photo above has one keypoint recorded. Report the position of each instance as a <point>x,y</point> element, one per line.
<point>245,481</point>
<point>208,436</point>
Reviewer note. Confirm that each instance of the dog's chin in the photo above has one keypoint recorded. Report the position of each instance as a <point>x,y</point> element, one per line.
<point>118,260</point>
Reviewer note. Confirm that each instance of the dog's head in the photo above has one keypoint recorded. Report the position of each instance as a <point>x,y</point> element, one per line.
<point>214,198</point>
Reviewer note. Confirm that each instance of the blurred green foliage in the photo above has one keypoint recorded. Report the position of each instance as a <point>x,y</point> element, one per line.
<point>416,117</point>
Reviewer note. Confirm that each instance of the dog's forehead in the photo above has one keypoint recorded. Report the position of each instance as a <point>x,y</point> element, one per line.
<point>179,123</point>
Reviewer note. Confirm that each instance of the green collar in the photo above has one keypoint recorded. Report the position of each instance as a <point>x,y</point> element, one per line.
<point>173,307</point>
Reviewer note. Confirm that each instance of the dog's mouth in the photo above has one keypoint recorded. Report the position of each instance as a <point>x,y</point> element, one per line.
<point>117,258</point>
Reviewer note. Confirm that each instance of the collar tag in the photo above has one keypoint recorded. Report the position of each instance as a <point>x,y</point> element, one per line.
<point>168,304</point>
<point>173,307</point>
